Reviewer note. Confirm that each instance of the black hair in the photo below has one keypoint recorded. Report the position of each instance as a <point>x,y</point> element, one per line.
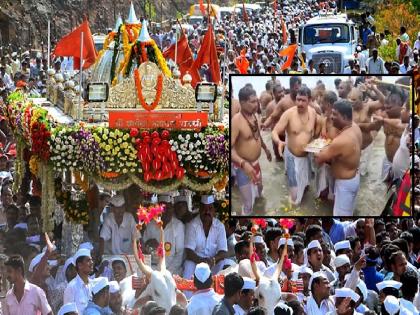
<point>79,260</point>
<point>402,245</point>
<point>232,222</point>
<point>410,284</point>
<point>245,93</point>
<point>282,310</point>
<point>233,284</point>
<point>16,262</point>
<point>337,82</point>
<point>240,246</point>
<point>100,292</point>
<point>395,98</point>
<point>387,251</point>
<point>119,261</point>
<point>344,108</point>
<point>157,310</point>
<point>381,236</point>
<point>147,307</point>
<point>268,85</point>
<point>391,291</point>
<point>177,310</point>
<point>277,87</point>
<point>395,255</point>
<point>202,286</point>
<point>295,305</point>
<point>257,310</point>
<point>329,97</point>
<point>272,234</point>
<point>353,241</point>
<point>305,91</point>
<point>293,80</point>
<point>298,247</point>
<point>311,231</point>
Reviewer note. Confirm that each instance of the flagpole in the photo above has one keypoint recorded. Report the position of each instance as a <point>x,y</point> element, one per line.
<point>80,79</point>
<point>222,107</point>
<point>49,43</point>
<point>176,48</point>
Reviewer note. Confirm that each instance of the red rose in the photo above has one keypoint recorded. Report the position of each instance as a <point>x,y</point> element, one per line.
<point>155,134</point>
<point>134,132</point>
<point>165,134</point>
<point>155,140</point>
<point>144,134</point>
<point>147,139</point>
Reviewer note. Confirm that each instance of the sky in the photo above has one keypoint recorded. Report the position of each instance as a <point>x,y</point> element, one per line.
<point>258,82</point>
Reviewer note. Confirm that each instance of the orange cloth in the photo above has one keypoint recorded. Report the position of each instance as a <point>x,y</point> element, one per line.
<point>69,46</point>
<point>242,63</point>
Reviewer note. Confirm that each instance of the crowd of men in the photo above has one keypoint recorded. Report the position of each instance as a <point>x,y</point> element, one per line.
<point>349,116</point>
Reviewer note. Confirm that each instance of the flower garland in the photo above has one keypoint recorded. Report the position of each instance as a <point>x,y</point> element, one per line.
<point>140,97</point>
<point>33,165</point>
<point>146,214</point>
<point>48,200</point>
<point>75,211</point>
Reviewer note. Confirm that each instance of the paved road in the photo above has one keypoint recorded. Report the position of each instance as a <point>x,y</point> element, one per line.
<point>370,199</point>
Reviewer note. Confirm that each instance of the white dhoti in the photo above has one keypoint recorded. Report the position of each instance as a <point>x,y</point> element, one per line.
<point>402,159</point>
<point>386,169</point>
<point>364,159</point>
<point>345,191</point>
<point>324,179</point>
<point>298,171</point>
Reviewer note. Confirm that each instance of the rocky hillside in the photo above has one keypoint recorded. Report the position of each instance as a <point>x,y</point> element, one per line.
<point>24,22</point>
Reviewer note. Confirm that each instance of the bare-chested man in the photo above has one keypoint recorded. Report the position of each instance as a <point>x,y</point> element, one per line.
<point>344,155</point>
<point>246,144</point>
<point>299,123</point>
<point>287,102</point>
<point>393,129</point>
<point>344,89</point>
<point>265,98</point>
<point>324,180</point>
<point>278,93</point>
<point>362,114</point>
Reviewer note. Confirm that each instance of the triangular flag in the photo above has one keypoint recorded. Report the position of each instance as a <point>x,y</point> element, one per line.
<point>202,7</point>
<point>207,54</point>
<point>69,46</point>
<point>288,52</point>
<point>184,54</point>
<point>244,12</point>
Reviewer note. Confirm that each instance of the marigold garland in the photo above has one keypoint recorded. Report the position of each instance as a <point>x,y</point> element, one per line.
<point>140,93</point>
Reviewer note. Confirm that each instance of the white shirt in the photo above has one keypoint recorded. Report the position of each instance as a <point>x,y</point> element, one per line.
<point>203,302</point>
<point>375,67</point>
<point>120,236</point>
<point>238,310</point>
<point>313,71</point>
<point>417,44</point>
<point>203,246</point>
<point>174,234</point>
<point>408,307</point>
<point>326,306</point>
<point>403,69</point>
<point>78,292</point>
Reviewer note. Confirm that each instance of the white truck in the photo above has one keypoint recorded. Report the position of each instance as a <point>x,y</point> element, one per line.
<point>329,38</point>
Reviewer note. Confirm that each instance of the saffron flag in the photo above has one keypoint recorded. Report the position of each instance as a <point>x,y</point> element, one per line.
<point>69,46</point>
<point>288,52</point>
<point>244,12</point>
<point>202,7</point>
<point>207,54</point>
<point>275,7</point>
<point>283,31</point>
<point>184,55</point>
<point>242,63</point>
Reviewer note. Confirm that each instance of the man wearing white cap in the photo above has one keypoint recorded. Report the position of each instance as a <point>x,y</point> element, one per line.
<point>343,247</point>
<point>290,253</point>
<point>204,299</point>
<point>363,292</point>
<point>181,209</point>
<point>205,239</point>
<point>115,298</point>
<point>388,287</point>
<point>118,230</point>
<point>315,257</point>
<point>247,297</point>
<point>79,289</point>
<point>68,309</point>
<point>341,294</point>
<point>342,266</point>
<point>174,234</point>
<point>320,302</point>
<point>100,298</point>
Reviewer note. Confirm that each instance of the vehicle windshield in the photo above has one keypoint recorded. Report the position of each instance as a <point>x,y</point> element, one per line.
<point>326,33</point>
<point>195,20</point>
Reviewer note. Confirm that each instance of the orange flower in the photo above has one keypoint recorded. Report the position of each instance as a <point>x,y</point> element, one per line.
<point>140,93</point>
<point>110,174</point>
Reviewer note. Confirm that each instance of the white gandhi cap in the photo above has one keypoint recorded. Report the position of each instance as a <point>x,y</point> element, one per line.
<point>341,260</point>
<point>314,244</point>
<point>80,253</point>
<point>114,287</point>
<point>282,241</point>
<point>202,272</point>
<point>67,308</point>
<point>392,305</point>
<point>117,201</point>
<point>249,284</point>
<point>317,275</point>
<point>388,284</point>
<point>207,199</point>
<point>87,245</point>
<point>345,293</point>
<point>98,284</point>
<point>342,245</point>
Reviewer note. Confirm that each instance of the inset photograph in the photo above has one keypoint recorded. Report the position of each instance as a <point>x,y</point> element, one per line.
<point>320,145</point>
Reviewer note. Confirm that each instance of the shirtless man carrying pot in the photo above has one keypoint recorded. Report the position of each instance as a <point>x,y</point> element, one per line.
<point>246,144</point>
<point>344,155</point>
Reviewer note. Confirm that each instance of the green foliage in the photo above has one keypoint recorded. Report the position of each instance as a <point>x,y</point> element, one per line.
<point>388,52</point>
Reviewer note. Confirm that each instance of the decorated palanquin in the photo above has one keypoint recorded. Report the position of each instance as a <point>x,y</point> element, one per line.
<point>147,133</point>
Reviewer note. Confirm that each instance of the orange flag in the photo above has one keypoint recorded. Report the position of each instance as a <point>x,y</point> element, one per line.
<point>244,12</point>
<point>288,52</point>
<point>283,31</point>
<point>184,55</point>
<point>69,46</point>
<point>207,54</point>
<point>242,63</point>
<point>202,7</point>
<point>275,7</point>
